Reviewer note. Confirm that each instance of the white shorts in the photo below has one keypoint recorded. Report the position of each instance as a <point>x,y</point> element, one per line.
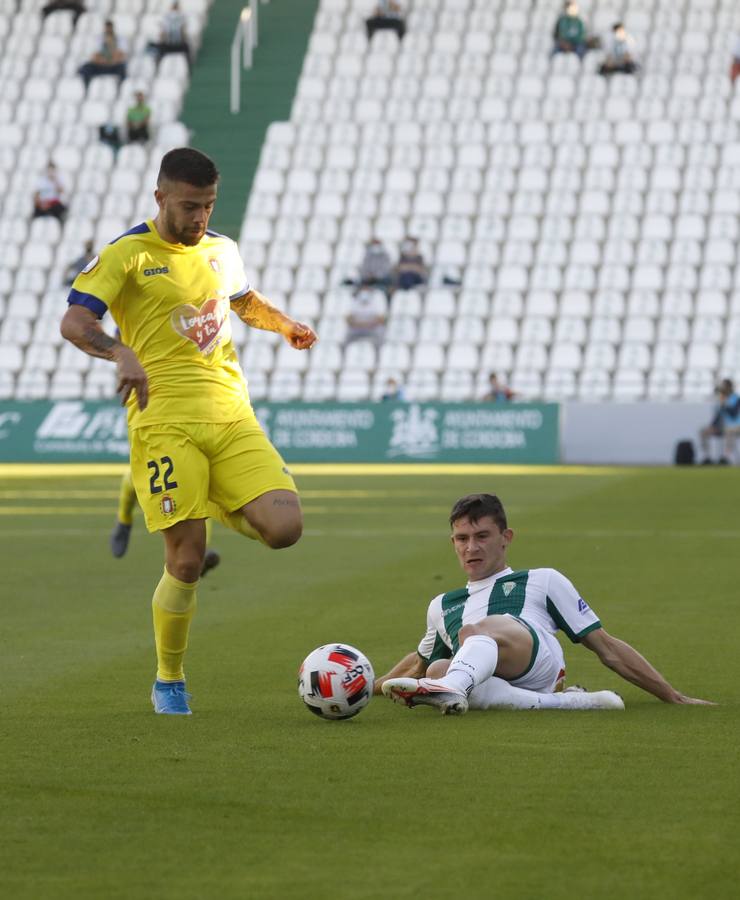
<point>546,667</point>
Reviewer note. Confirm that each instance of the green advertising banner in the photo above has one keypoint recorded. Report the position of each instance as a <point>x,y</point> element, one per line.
<point>82,431</point>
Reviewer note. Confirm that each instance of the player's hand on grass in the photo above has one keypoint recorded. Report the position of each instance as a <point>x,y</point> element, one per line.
<point>299,336</point>
<point>131,377</point>
<point>695,701</point>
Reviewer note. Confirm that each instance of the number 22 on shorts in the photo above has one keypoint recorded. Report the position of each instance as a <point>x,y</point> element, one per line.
<point>164,468</point>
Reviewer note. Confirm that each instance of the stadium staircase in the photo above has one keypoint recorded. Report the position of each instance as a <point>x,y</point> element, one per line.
<point>267,91</point>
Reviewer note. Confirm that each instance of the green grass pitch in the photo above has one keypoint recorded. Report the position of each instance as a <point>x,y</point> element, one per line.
<point>255,798</point>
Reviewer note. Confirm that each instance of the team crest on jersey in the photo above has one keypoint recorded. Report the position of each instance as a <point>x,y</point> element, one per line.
<point>582,605</point>
<point>167,505</point>
<point>507,587</point>
<point>214,264</point>
<point>91,265</point>
<point>201,325</point>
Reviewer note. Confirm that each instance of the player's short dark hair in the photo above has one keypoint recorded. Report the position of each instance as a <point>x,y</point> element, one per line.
<point>188,165</point>
<point>477,506</point>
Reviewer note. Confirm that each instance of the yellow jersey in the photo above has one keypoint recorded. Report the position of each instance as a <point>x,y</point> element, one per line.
<point>171,304</point>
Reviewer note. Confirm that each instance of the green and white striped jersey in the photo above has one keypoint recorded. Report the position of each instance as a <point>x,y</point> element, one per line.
<point>544,598</point>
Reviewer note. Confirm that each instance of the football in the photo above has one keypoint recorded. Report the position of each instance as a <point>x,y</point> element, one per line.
<point>335,681</point>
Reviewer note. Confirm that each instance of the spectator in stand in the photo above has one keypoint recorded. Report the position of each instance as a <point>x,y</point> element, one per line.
<point>497,391</point>
<point>137,119</point>
<point>387,14</point>
<point>48,200</point>
<point>173,36</point>
<point>393,392</point>
<point>410,270</point>
<point>110,134</point>
<point>570,32</point>
<point>725,424</point>
<point>735,67</point>
<point>77,265</point>
<point>73,6</point>
<point>367,315</point>
<point>110,58</point>
<point>376,269</point>
<point>620,56</point>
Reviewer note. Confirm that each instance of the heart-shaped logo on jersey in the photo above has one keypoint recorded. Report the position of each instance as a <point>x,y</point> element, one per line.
<point>201,326</point>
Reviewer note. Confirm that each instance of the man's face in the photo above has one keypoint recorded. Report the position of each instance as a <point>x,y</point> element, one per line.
<point>480,546</point>
<point>185,210</point>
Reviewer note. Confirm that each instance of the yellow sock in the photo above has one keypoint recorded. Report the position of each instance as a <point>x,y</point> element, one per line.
<point>209,532</point>
<point>126,499</point>
<point>236,521</point>
<point>173,607</point>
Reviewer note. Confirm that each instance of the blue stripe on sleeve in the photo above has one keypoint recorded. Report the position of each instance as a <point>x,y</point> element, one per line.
<point>79,298</point>
<point>241,292</point>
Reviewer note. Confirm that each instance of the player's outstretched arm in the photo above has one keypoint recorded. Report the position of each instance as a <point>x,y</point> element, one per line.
<point>257,312</point>
<point>411,666</point>
<point>632,666</point>
<point>81,327</point>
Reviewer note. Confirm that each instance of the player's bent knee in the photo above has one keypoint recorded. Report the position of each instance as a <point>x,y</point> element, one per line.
<point>285,535</point>
<point>469,630</point>
<point>438,668</point>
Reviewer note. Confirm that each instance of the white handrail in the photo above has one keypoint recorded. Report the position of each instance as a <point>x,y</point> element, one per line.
<point>245,38</point>
<point>254,6</point>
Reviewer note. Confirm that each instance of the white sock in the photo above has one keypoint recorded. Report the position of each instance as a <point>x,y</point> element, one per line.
<point>495,693</point>
<point>473,663</point>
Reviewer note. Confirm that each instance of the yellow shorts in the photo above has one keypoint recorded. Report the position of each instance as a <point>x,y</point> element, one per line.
<point>178,469</point>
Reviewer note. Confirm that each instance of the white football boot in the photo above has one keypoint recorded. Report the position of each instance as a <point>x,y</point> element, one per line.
<point>426,692</point>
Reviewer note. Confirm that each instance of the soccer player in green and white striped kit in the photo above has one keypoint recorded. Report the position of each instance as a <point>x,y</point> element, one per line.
<point>492,643</point>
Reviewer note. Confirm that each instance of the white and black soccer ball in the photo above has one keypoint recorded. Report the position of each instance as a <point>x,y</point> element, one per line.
<point>335,681</point>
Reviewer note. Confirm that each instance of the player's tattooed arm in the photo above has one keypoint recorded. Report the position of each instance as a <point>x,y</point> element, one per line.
<point>97,342</point>
<point>81,327</point>
<point>256,311</point>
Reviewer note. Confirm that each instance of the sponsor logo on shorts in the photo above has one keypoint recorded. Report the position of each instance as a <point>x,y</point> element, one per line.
<point>158,270</point>
<point>168,505</point>
<point>582,605</point>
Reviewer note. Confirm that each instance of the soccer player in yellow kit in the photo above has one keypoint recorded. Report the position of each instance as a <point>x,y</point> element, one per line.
<point>197,449</point>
